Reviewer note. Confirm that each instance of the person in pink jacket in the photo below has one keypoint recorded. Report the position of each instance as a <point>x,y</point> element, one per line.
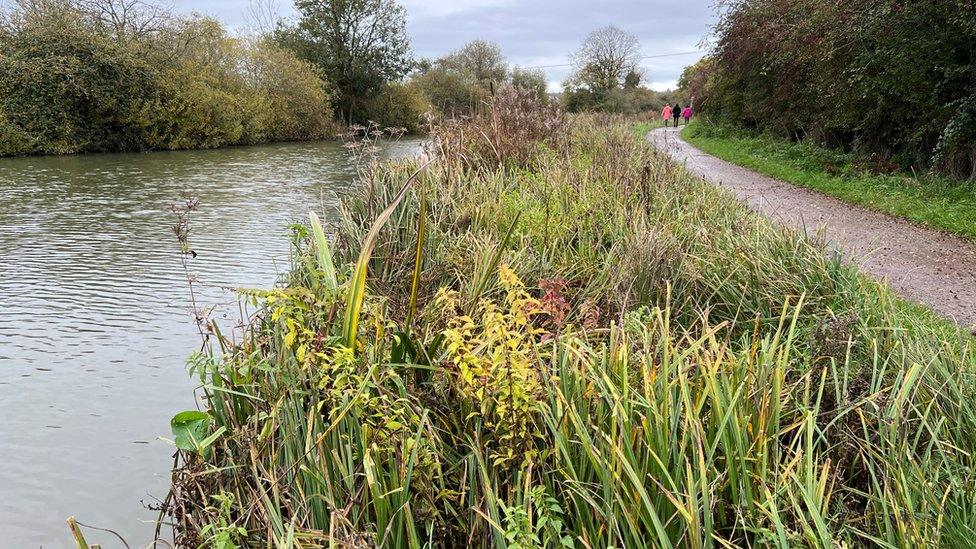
<point>687,114</point>
<point>666,115</point>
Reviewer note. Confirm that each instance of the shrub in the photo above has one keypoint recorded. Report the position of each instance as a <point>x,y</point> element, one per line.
<point>532,79</point>
<point>449,93</point>
<point>299,99</point>
<point>890,78</point>
<point>634,100</point>
<point>13,139</point>
<point>71,88</point>
<point>195,112</point>
<point>398,105</point>
<point>70,83</point>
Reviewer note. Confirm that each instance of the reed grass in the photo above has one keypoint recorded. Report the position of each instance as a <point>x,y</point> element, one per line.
<point>576,344</point>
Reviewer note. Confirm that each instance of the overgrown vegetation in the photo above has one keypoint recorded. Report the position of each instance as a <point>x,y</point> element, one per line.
<point>573,344</point>
<point>893,78</point>
<point>113,76</point>
<point>935,201</point>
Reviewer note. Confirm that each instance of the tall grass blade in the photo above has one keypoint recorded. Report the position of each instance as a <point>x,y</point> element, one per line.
<point>76,534</point>
<point>492,265</point>
<point>418,260</point>
<point>357,285</point>
<point>323,252</point>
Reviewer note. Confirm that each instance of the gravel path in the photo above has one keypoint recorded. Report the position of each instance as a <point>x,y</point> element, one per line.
<point>923,265</point>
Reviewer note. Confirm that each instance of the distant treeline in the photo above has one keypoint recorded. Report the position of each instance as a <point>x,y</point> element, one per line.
<point>893,78</point>
<point>125,75</point>
<point>77,77</point>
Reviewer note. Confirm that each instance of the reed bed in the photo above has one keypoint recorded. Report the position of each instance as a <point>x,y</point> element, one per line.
<point>573,344</point>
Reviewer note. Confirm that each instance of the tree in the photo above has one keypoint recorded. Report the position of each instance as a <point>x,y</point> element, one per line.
<point>531,79</point>
<point>262,16</point>
<point>127,18</point>
<point>447,92</point>
<point>632,80</point>
<point>69,88</point>
<point>694,80</point>
<point>887,62</point>
<point>458,83</point>
<point>479,61</point>
<point>605,58</point>
<point>359,44</point>
<point>114,75</point>
<point>398,105</point>
<point>298,99</point>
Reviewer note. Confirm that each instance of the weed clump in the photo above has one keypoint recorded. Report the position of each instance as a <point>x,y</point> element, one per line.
<point>567,341</point>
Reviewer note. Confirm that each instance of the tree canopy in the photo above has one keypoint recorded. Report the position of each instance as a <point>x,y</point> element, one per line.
<point>531,79</point>
<point>479,61</point>
<point>607,75</point>
<point>897,79</point>
<point>605,58</point>
<point>117,75</point>
<point>359,44</point>
<point>459,82</point>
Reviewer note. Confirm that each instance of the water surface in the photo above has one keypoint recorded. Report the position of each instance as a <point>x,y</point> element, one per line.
<point>94,321</point>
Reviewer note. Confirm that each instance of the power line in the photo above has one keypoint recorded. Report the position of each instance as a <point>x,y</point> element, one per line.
<point>642,57</point>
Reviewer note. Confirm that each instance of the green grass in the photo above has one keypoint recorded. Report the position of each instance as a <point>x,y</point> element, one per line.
<point>586,347</point>
<point>931,201</point>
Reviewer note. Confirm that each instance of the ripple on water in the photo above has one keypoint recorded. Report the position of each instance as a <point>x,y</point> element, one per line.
<point>95,327</point>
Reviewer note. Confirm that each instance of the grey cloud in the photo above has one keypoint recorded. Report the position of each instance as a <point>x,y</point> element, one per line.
<point>541,31</point>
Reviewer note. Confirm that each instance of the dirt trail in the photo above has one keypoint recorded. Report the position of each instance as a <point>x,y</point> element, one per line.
<point>923,265</point>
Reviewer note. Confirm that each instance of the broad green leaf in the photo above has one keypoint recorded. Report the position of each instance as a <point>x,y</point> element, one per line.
<point>189,428</point>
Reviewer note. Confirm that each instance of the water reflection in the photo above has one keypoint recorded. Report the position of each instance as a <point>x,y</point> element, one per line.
<point>94,328</point>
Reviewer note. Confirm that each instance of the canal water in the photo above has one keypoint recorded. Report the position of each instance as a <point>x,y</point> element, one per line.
<point>94,314</point>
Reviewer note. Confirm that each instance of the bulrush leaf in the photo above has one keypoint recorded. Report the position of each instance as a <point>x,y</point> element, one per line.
<point>489,269</point>
<point>357,285</point>
<point>418,260</point>
<point>79,538</point>
<point>323,252</point>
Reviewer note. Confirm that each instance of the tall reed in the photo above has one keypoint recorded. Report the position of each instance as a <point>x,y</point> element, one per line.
<point>576,345</point>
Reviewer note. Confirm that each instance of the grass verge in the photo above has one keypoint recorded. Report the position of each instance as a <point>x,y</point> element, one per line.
<point>936,202</point>
<point>564,340</point>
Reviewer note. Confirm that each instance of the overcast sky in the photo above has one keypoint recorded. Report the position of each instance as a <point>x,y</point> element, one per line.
<point>534,33</point>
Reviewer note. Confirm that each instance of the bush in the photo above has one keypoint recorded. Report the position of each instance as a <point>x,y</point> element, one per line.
<point>892,78</point>
<point>194,112</point>
<point>449,93</point>
<point>462,83</point>
<point>299,98</point>
<point>532,79</point>
<point>398,105</point>
<point>13,139</point>
<point>68,83</point>
<point>72,89</point>
<point>634,100</point>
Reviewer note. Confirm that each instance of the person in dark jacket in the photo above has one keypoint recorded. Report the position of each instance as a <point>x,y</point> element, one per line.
<point>676,113</point>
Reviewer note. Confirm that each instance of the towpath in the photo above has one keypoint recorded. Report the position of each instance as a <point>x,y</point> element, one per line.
<point>920,264</point>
